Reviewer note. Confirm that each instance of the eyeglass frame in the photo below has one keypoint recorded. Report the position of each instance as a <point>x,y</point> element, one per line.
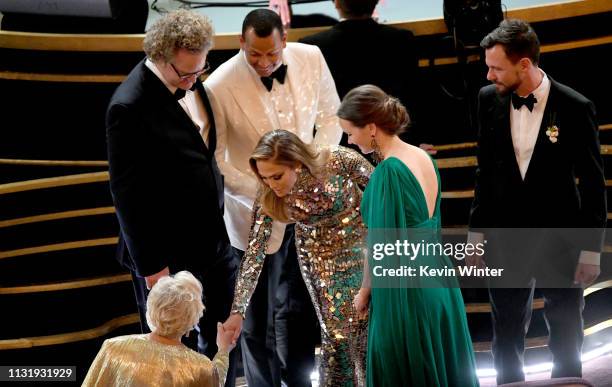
<point>184,77</point>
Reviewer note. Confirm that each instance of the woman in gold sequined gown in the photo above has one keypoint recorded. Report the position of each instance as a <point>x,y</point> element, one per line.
<point>318,189</point>
<point>158,359</point>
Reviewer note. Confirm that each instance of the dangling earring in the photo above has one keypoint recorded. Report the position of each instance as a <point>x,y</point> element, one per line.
<point>377,156</point>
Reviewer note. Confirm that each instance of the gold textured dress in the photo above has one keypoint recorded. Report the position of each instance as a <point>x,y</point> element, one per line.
<point>135,360</point>
<point>330,240</point>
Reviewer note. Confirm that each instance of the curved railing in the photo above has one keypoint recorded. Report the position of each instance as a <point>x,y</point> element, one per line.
<point>128,43</point>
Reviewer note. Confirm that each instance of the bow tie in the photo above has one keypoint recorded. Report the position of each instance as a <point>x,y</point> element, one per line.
<point>180,93</point>
<point>279,75</point>
<point>528,101</point>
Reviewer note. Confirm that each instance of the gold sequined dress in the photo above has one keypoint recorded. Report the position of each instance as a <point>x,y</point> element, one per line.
<point>134,360</point>
<point>330,240</point>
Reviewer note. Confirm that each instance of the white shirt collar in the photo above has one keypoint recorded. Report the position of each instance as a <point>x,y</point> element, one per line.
<point>251,69</point>
<point>542,90</point>
<point>153,67</point>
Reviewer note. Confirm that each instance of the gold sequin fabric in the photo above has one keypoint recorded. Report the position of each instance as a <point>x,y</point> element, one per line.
<point>330,243</point>
<point>134,361</point>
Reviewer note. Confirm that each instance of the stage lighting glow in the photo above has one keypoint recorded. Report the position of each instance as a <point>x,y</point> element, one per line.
<point>547,366</point>
<point>530,369</point>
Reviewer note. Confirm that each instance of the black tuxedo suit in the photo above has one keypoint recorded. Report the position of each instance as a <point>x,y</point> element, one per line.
<point>362,51</point>
<point>548,197</point>
<point>168,195</point>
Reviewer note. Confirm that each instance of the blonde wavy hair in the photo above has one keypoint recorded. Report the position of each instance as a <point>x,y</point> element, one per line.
<point>284,148</point>
<point>174,305</point>
<point>176,30</point>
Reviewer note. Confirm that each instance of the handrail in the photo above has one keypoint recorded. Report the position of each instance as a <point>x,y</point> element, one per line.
<point>580,43</point>
<point>485,307</point>
<point>423,62</point>
<point>605,127</point>
<point>64,338</point>
<point>56,163</point>
<point>52,287</point>
<point>59,247</point>
<point>457,162</point>
<point>78,78</point>
<point>52,182</point>
<point>545,48</point>
<point>458,146</point>
<point>473,144</point>
<point>101,163</point>
<point>458,194</point>
<point>57,216</point>
<point>538,303</point>
<point>133,42</point>
<point>473,307</point>
<point>94,177</point>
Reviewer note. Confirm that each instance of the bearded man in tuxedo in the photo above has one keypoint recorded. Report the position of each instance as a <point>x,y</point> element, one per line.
<point>539,167</point>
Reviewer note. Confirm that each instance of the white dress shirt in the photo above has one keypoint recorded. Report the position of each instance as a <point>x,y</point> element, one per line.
<point>191,103</point>
<point>281,98</point>
<point>525,125</point>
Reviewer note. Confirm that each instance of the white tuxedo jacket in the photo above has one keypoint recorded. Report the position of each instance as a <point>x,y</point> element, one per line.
<point>242,116</point>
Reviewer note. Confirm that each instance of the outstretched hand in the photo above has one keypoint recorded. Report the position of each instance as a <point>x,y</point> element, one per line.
<point>234,324</point>
<point>586,274</point>
<point>362,302</point>
<point>153,278</point>
<point>225,338</point>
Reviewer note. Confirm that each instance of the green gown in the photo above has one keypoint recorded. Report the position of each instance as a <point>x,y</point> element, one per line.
<point>417,336</point>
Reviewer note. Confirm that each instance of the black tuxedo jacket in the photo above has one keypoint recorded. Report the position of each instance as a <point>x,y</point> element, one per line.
<point>166,187</point>
<point>564,185</point>
<point>363,51</point>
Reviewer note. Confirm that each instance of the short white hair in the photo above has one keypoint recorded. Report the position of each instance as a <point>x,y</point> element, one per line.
<point>174,305</point>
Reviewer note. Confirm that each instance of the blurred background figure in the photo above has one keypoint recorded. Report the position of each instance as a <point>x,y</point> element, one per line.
<point>358,36</point>
<point>291,20</point>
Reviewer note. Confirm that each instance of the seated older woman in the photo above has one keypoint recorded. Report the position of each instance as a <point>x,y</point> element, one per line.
<point>174,307</point>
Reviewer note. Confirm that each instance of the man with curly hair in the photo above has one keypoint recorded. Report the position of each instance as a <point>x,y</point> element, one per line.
<point>165,183</point>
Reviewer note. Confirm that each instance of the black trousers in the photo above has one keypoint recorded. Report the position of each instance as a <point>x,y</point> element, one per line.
<point>281,329</point>
<point>218,293</point>
<point>511,312</point>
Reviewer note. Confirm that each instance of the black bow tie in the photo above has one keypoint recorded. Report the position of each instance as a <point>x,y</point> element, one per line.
<point>528,101</point>
<point>279,75</point>
<point>180,93</point>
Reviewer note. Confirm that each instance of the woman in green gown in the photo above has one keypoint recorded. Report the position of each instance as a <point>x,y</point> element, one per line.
<point>418,333</point>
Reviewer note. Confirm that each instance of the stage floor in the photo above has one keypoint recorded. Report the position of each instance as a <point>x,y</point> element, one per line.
<point>596,371</point>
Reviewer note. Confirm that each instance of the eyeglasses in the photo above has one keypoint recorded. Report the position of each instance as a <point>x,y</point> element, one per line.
<point>184,77</point>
